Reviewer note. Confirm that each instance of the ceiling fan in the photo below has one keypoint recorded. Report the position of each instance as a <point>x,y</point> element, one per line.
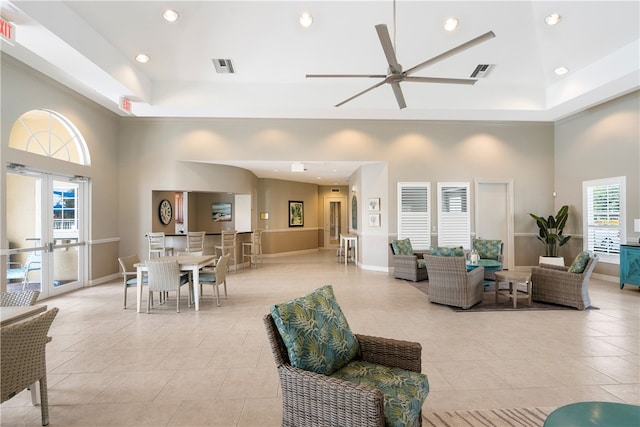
<point>395,74</point>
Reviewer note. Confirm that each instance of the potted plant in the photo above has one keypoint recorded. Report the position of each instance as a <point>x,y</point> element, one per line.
<point>551,231</point>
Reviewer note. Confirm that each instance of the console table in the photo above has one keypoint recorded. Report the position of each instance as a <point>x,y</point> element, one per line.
<point>629,265</point>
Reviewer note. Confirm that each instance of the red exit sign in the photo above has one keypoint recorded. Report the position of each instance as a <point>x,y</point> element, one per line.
<point>125,104</point>
<point>7,31</point>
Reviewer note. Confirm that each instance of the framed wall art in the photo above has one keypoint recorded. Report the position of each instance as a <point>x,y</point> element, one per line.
<point>296,213</point>
<point>374,220</point>
<point>221,211</point>
<point>374,204</point>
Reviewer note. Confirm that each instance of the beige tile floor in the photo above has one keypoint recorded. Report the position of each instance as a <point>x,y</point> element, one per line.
<point>113,367</point>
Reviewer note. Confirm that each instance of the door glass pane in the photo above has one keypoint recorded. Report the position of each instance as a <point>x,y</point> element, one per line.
<point>335,223</point>
<point>24,269</point>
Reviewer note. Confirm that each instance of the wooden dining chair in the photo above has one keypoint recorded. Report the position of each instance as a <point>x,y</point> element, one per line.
<point>216,278</point>
<point>195,241</point>
<point>228,246</point>
<point>253,250</point>
<point>157,245</point>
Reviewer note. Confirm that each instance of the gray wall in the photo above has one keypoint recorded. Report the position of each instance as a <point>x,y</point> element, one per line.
<point>131,157</point>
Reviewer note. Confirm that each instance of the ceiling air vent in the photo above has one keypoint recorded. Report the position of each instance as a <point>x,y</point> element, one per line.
<point>482,70</point>
<point>223,66</point>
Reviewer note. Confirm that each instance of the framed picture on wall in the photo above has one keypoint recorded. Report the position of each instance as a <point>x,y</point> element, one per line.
<point>374,204</point>
<point>221,211</point>
<point>296,214</point>
<point>374,220</point>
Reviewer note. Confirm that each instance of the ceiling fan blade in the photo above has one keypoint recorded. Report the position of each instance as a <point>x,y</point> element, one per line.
<point>387,46</point>
<point>374,76</point>
<point>361,93</point>
<point>440,80</point>
<point>464,46</point>
<point>399,96</point>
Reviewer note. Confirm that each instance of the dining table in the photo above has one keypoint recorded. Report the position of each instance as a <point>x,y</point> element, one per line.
<point>14,314</point>
<point>191,263</point>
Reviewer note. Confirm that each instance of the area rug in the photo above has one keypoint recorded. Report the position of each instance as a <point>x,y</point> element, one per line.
<point>488,302</point>
<point>522,417</point>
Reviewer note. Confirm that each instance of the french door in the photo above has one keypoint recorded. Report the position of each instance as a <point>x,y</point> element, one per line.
<point>46,231</point>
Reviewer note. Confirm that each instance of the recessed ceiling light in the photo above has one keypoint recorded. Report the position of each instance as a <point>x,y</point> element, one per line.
<point>170,15</point>
<point>553,19</point>
<point>306,20</point>
<point>451,24</point>
<point>561,70</point>
<point>142,58</point>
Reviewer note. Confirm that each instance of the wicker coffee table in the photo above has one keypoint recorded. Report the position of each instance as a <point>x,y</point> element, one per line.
<point>513,278</point>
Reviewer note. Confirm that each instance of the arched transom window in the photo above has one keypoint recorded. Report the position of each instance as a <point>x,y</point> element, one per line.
<point>49,134</point>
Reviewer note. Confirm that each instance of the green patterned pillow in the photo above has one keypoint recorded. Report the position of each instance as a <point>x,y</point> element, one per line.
<point>442,251</point>
<point>488,249</point>
<point>403,391</point>
<point>580,262</point>
<point>315,332</point>
<point>402,247</point>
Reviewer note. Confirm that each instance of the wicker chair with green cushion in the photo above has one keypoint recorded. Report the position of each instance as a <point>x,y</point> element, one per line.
<point>562,285</point>
<point>407,264</point>
<point>332,377</point>
<point>489,249</point>
<point>451,284</point>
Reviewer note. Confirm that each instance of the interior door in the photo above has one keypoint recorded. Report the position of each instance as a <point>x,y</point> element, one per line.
<point>45,221</point>
<point>335,220</point>
<point>494,216</point>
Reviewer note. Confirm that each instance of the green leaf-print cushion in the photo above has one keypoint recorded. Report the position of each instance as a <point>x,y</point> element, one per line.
<point>581,261</point>
<point>443,251</point>
<point>403,391</point>
<point>488,249</point>
<point>402,247</point>
<point>315,332</point>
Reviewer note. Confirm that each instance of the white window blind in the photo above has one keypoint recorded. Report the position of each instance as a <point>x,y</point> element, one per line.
<point>454,219</point>
<point>414,212</point>
<point>604,213</point>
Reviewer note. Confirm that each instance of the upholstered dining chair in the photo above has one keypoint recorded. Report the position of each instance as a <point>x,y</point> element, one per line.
<point>165,276</point>
<point>216,278</point>
<point>129,276</point>
<point>330,376</point>
<point>195,241</point>
<point>228,246</point>
<point>23,358</point>
<point>451,284</point>
<point>253,250</point>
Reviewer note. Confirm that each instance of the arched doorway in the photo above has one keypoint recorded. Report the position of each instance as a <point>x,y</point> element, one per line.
<point>45,211</point>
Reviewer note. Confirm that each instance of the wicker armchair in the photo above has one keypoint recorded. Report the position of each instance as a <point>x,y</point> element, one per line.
<point>21,298</point>
<point>556,285</point>
<point>451,284</point>
<point>408,266</point>
<point>23,359</point>
<point>489,249</point>
<point>315,400</point>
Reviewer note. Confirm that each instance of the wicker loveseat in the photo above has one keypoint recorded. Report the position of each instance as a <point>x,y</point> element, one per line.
<point>407,264</point>
<point>557,284</point>
<point>380,386</point>
<point>451,284</point>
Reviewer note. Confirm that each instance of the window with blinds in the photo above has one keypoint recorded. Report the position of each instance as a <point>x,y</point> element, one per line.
<point>603,207</point>
<point>414,213</point>
<point>454,218</point>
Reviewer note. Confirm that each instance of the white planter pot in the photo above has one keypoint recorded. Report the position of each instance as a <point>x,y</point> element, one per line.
<point>553,260</point>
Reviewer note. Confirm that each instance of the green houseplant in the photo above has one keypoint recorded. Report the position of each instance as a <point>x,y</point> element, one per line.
<point>551,231</point>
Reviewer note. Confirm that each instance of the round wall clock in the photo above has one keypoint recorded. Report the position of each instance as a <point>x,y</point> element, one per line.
<point>165,211</point>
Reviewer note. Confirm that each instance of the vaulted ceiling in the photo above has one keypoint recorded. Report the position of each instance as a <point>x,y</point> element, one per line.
<point>90,47</point>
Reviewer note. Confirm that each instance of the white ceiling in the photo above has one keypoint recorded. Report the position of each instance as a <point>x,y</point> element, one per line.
<point>90,46</point>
